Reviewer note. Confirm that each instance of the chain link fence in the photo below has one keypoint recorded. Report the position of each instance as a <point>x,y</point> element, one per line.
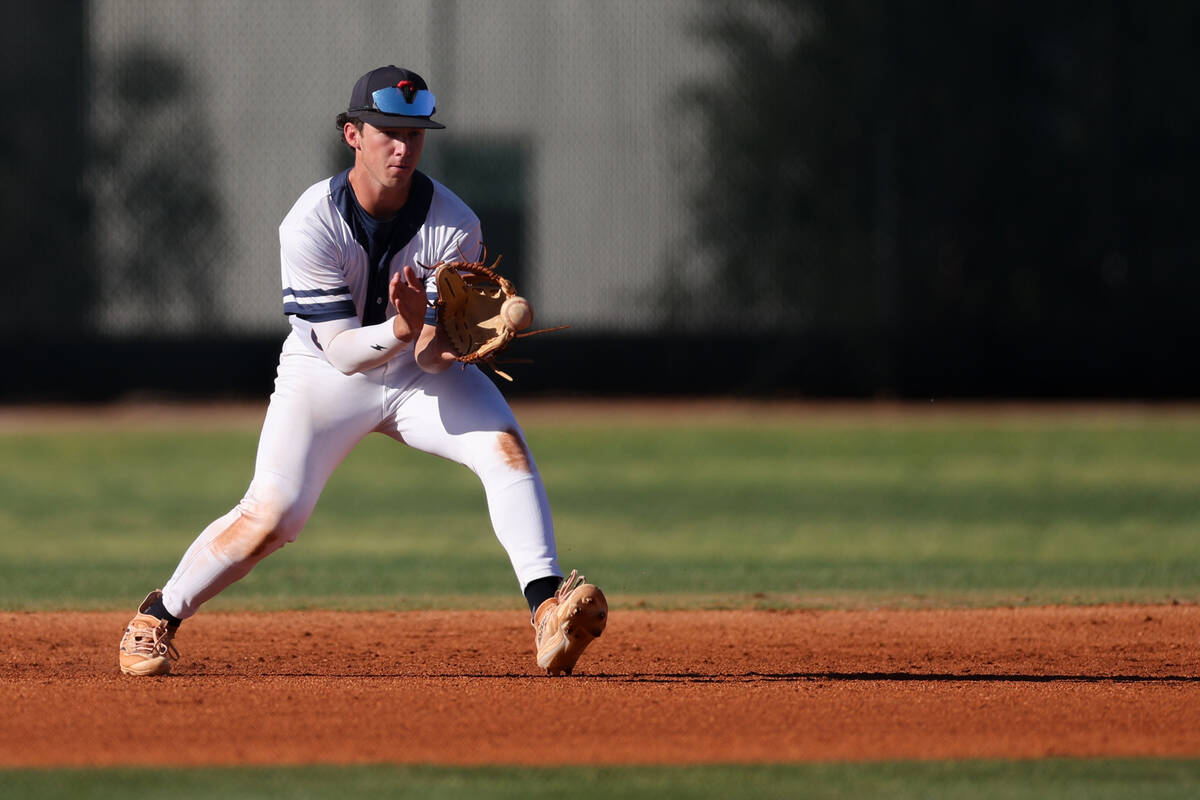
<point>849,196</point>
<point>208,118</point>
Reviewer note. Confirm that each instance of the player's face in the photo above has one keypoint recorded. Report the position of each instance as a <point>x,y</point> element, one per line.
<point>390,155</point>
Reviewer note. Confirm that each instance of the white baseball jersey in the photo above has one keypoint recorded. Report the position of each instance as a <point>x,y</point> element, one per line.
<point>336,260</point>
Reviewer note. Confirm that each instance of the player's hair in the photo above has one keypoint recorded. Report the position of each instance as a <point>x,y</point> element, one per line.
<point>342,119</point>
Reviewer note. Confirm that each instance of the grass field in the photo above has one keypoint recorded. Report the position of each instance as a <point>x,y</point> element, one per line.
<point>822,509</point>
<point>758,507</point>
<point>979,780</point>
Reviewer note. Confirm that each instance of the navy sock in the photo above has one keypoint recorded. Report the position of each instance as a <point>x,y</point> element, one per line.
<point>541,590</point>
<point>159,611</point>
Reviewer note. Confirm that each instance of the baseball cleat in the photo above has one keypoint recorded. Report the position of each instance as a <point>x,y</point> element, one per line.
<point>146,647</point>
<point>565,624</point>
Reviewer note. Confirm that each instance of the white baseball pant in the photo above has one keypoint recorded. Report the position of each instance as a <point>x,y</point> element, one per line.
<point>315,418</point>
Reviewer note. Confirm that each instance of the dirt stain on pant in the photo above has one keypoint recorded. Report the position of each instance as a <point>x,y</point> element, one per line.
<point>247,538</point>
<point>513,449</point>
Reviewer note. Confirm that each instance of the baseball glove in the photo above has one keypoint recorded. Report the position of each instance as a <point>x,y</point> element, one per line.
<point>480,312</point>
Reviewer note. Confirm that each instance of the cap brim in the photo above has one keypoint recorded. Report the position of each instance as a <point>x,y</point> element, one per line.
<point>381,120</point>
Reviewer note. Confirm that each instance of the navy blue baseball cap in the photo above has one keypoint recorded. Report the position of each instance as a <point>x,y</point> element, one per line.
<point>392,97</point>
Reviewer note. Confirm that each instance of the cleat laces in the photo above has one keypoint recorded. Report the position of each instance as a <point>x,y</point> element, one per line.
<point>149,641</point>
<point>568,585</point>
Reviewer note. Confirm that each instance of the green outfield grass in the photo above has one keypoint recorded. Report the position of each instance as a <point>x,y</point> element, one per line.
<point>784,510</point>
<point>1148,779</point>
<point>814,509</point>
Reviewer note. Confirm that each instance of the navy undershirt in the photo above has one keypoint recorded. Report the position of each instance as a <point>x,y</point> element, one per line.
<point>381,239</point>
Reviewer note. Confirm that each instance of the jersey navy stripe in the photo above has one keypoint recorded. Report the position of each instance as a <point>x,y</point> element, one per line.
<point>326,316</point>
<point>292,307</point>
<point>306,303</point>
<point>319,312</point>
<point>316,292</point>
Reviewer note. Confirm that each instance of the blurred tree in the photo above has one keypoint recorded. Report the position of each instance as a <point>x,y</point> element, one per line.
<point>160,235</point>
<point>46,269</point>
<point>786,190</point>
<point>943,184</point>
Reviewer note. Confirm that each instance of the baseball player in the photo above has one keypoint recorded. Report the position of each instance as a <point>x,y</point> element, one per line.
<point>365,355</point>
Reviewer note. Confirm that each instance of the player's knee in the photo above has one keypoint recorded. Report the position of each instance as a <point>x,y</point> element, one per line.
<point>249,538</point>
<point>261,528</point>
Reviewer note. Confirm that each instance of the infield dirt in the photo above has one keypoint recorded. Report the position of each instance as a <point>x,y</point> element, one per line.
<point>659,687</point>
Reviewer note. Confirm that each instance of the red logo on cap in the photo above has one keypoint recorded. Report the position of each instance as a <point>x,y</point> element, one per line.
<point>408,89</point>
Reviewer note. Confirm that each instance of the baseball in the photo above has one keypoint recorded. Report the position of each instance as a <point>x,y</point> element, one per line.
<point>516,313</point>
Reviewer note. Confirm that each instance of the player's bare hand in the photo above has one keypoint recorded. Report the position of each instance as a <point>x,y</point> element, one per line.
<point>407,295</point>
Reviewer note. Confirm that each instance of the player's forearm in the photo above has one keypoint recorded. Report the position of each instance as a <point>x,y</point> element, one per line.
<point>358,349</point>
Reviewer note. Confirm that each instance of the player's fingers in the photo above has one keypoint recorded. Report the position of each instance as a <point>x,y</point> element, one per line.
<point>410,277</point>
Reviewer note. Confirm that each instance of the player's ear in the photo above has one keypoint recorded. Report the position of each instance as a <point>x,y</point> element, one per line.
<point>352,135</point>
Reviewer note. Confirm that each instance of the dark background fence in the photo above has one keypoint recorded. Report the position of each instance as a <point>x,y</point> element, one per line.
<point>932,199</point>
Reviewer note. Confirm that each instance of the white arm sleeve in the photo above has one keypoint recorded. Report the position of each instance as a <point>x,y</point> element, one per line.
<point>352,348</point>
